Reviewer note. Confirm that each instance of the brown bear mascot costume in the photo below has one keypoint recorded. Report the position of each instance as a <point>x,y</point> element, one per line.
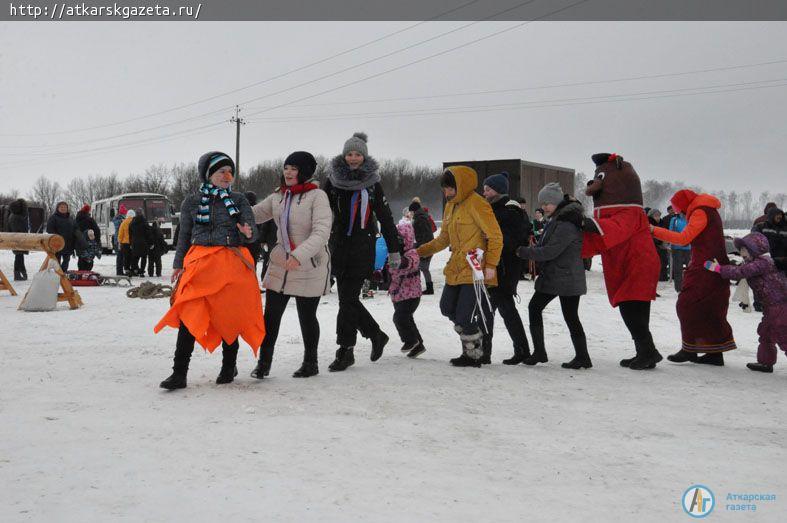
<point>619,232</point>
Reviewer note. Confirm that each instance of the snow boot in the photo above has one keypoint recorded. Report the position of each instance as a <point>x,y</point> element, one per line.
<point>176,381</point>
<point>344,358</point>
<point>429,289</point>
<point>407,347</point>
<point>539,350</point>
<point>486,347</point>
<point>760,367</point>
<point>229,356</point>
<point>647,355</point>
<point>581,359</point>
<point>472,345</point>
<point>416,351</point>
<point>308,369</point>
<point>379,341</point>
<point>261,370</point>
<point>716,358</point>
<point>682,356</point>
<point>465,361</point>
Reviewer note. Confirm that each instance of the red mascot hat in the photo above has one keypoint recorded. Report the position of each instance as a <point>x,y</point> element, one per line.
<point>682,199</point>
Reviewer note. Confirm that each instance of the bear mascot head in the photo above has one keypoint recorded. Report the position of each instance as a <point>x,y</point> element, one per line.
<point>615,182</point>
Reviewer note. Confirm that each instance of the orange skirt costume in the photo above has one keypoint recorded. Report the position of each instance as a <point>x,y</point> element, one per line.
<point>218,298</point>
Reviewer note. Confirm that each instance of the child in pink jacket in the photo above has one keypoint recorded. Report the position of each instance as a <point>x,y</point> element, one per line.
<point>405,292</point>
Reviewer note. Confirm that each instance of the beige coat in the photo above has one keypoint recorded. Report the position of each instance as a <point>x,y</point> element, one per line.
<point>310,228</point>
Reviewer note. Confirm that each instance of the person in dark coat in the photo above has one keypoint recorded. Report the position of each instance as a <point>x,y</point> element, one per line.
<point>764,217</point>
<point>117,220</point>
<point>513,225</point>
<point>86,223</point>
<point>139,232</point>
<point>561,273</point>
<point>63,224</point>
<point>357,200</point>
<point>775,229</point>
<point>158,247</point>
<point>18,221</point>
<point>254,248</point>
<point>423,235</point>
<point>654,218</point>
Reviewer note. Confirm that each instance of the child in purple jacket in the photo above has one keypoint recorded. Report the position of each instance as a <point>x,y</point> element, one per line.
<point>405,292</point>
<point>770,288</point>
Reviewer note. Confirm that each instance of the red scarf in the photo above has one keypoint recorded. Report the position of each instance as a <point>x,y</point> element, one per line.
<point>298,188</point>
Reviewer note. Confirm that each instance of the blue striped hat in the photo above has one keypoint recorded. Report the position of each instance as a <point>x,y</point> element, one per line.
<point>211,162</point>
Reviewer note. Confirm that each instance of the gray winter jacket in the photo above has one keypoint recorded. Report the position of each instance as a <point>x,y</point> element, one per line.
<point>221,231</point>
<point>558,253</point>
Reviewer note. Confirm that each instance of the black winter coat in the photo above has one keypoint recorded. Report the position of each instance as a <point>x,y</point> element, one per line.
<point>158,246</point>
<point>422,227</point>
<point>513,225</point>
<point>353,256</point>
<point>777,236</point>
<point>65,226</point>
<point>86,222</point>
<point>141,237</point>
<point>18,220</point>
<point>559,252</point>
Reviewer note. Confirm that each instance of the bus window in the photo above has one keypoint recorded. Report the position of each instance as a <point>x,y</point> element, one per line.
<point>132,204</point>
<point>157,210</point>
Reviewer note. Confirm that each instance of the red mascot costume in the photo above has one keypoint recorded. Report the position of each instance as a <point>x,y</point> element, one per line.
<point>620,233</point>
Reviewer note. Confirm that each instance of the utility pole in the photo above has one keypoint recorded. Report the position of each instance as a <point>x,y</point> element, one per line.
<point>237,120</point>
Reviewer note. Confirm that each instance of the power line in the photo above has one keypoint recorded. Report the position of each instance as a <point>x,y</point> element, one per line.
<point>545,86</point>
<point>249,86</point>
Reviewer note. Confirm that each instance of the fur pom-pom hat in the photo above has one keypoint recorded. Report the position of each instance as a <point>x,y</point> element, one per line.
<point>357,143</point>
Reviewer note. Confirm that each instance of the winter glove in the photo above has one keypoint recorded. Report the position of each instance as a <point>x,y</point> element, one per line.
<point>713,266</point>
<point>588,225</point>
<point>394,260</point>
<point>523,252</point>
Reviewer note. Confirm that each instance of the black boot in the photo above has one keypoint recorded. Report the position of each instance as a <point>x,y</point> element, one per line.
<point>18,276</point>
<point>760,367</point>
<point>682,356</point>
<point>521,353</point>
<point>582,358</point>
<point>429,289</point>
<point>486,346</point>
<point>716,358</point>
<point>647,355</point>
<point>308,368</point>
<point>539,350</point>
<point>229,356</point>
<point>417,350</point>
<point>180,364</point>
<point>263,367</point>
<point>379,341</point>
<point>344,358</point>
<point>407,347</point>
<point>626,362</point>
<point>465,361</point>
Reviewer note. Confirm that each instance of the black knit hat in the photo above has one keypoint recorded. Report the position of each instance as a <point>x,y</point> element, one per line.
<point>211,162</point>
<point>414,206</point>
<point>305,163</point>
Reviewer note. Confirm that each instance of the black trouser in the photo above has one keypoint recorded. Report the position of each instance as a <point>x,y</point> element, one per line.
<point>19,265</point>
<point>636,316</point>
<point>275,304</point>
<point>64,258</point>
<point>405,322</point>
<point>185,346</point>
<point>680,259</point>
<point>125,254</point>
<point>458,303</point>
<point>569,305</point>
<point>664,260</point>
<point>423,266</point>
<point>119,262</point>
<point>504,303</point>
<point>353,316</point>
<point>154,264</point>
<point>85,264</point>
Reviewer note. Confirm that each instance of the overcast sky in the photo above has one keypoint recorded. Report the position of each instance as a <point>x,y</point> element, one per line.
<point>69,76</point>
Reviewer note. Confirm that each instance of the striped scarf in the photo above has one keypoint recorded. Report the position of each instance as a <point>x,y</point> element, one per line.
<point>208,189</point>
<point>359,199</point>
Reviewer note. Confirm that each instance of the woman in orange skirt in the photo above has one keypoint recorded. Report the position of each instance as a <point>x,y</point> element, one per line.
<point>218,297</point>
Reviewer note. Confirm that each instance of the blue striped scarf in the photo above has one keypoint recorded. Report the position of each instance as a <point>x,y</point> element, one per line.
<point>208,190</point>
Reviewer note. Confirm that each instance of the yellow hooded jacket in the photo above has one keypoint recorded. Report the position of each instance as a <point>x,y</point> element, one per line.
<point>468,223</point>
<point>123,235</point>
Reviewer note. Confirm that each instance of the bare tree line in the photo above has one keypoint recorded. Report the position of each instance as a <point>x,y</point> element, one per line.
<point>401,179</point>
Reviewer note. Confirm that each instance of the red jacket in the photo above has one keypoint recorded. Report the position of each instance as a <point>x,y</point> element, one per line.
<point>628,256</point>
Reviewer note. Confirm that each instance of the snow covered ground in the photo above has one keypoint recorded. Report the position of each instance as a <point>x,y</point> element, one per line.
<point>87,435</point>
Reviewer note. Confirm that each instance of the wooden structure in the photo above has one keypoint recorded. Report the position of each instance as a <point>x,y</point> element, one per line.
<point>50,244</point>
<point>525,178</point>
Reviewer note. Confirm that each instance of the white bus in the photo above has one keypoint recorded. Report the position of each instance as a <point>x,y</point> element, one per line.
<point>156,207</point>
